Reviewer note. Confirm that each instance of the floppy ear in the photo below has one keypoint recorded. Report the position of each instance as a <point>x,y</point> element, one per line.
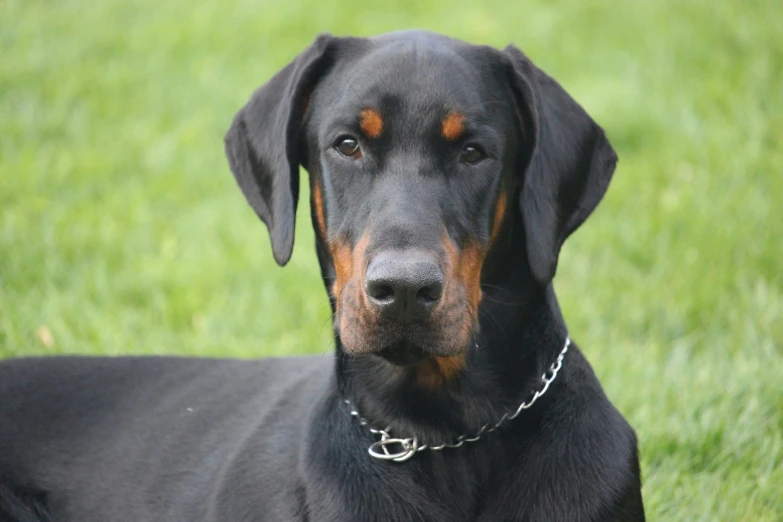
<point>263,146</point>
<point>570,166</point>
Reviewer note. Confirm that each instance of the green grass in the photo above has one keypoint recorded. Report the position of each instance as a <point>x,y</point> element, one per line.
<point>121,229</point>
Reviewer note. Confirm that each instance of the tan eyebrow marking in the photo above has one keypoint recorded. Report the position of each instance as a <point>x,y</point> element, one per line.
<point>371,122</point>
<point>453,125</point>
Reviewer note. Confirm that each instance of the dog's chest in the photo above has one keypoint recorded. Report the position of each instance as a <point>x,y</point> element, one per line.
<point>440,486</point>
<point>487,482</point>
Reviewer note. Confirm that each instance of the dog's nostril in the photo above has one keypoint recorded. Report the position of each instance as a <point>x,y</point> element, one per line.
<point>429,294</point>
<point>380,292</point>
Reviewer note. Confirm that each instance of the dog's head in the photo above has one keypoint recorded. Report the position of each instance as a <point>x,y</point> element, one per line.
<point>423,152</point>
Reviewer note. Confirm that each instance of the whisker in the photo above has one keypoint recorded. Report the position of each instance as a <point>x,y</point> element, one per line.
<point>357,95</point>
<point>489,102</point>
<point>486,313</point>
<point>499,301</point>
<point>502,291</point>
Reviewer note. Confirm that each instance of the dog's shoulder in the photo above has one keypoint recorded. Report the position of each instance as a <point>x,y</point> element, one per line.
<point>584,454</point>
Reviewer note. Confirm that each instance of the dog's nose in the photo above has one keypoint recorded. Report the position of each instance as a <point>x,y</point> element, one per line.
<point>404,285</point>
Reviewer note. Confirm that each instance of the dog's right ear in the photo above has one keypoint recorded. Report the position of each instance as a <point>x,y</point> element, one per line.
<point>263,143</point>
<point>569,169</point>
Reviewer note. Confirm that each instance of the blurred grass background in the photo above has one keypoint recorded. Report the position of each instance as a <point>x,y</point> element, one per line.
<point>121,229</point>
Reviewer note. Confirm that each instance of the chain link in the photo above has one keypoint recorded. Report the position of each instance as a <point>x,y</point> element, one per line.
<point>410,445</point>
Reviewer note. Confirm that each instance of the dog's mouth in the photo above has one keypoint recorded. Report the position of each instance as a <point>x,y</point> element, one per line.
<point>404,344</point>
<point>402,353</point>
<point>435,354</point>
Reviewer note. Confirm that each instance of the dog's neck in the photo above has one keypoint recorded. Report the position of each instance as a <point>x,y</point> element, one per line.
<point>520,334</point>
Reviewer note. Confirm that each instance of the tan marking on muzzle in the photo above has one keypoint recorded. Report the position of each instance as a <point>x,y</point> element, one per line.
<point>464,267</point>
<point>354,313</point>
<point>463,270</point>
<point>471,261</point>
<point>318,208</point>
<point>343,265</point>
<point>346,262</point>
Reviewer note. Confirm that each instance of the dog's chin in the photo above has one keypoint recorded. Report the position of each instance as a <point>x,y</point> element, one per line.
<point>402,353</point>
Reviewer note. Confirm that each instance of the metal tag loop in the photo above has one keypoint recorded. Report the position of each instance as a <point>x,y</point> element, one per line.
<point>380,449</point>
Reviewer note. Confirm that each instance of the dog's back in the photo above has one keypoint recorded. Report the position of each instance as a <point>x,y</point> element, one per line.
<point>154,434</point>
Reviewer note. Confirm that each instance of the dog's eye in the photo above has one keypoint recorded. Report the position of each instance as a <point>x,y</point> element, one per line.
<point>472,155</point>
<point>347,146</point>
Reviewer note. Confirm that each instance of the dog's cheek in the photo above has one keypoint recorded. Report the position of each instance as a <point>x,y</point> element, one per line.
<point>348,321</point>
<point>456,324</point>
<point>358,330</point>
<point>457,316</point>
<point>343,265</point>
<point>463,269</point>
<point>499,215</point>
<point>318,209</point>
<point>359,269</point>
<point>354,313</point>
<point>471,261</point>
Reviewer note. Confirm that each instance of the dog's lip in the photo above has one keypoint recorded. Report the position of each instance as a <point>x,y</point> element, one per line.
<point>424,341</point>
<point>402,353</point>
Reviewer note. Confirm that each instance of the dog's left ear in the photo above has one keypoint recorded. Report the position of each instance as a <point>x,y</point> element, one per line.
<point>570,164</point>
<point>263,143</point>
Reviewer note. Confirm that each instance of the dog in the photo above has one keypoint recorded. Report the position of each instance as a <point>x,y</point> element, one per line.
<point>444,178</point>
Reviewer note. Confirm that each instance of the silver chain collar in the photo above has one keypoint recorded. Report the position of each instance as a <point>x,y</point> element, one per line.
<point>410,446</point>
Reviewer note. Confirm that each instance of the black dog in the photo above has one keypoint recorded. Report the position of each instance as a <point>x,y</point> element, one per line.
<point>444,178</point>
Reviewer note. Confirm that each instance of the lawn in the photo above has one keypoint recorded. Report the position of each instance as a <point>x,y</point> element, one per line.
<point>122,231</point>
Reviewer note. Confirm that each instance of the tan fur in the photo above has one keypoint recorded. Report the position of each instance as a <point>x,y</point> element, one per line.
<point>436,372</point>
<point>500,213</point>
<point>453,126</point>
<point>343,265</point>
<point>463,272</point>
<point>318,206</point>
<point>371,123</point>
<point>349,287</point>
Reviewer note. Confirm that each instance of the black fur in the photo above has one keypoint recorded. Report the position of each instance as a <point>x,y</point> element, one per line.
<point>181,439</point>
